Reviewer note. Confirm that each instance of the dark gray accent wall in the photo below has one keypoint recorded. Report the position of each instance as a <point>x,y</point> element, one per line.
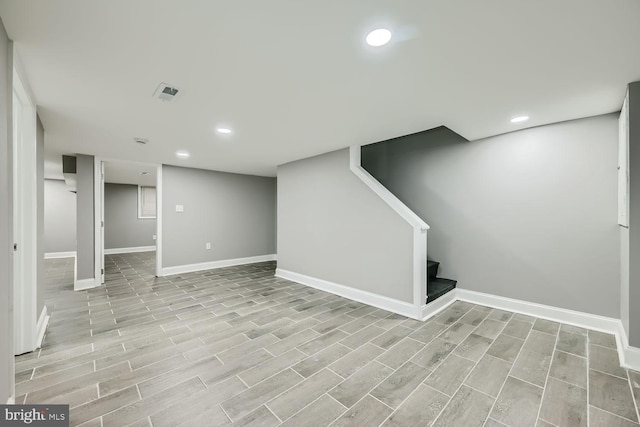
<point>634,214</point>
<point>40,216</point>
<point>122,227</point>
<point>85,237</point>
<point>6,217</point>
<point>529,215</point>
<point>59,217</point>
<point>331,226</point>
<point>235,213</point>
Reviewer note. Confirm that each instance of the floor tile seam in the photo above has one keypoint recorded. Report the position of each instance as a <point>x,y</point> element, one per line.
<point>301,409</point>
<point>573,354</point>
<point>599,345</point>
<point>567,382</point>
<point>302,379</point>
<point>546,379</point>
<point>388,406</point>
<point>607,373</point>
<point>611,413</point>
<point>463,382</point>
<point>633,398</point>
<point>377,384</point>
<point>507,377</point>
<point>504,425</point>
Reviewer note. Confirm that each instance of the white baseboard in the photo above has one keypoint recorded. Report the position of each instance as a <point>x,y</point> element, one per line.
<point>55,255</point>
<point>189,268</point>
<point>131,250</point>
<point>85,284</point>
<point>435,307</point>
<point>629,356</point>
<point>562,315</point>
<point>43,321</point>
<point>375,300</point>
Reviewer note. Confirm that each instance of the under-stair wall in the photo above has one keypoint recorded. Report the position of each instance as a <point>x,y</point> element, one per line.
<point>529,215</point>
<point>336,233</point>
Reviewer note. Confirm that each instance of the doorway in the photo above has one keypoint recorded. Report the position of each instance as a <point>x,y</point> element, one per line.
<point>128,216</point>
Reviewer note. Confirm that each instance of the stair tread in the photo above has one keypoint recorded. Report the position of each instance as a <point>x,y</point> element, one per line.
<point>438,287</point>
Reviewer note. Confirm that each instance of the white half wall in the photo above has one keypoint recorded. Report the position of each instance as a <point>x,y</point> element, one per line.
<point>334,230</point>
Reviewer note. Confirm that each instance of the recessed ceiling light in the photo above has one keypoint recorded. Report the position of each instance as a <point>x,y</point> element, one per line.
<point>519,119</point>
<point>182,154</point>
<point>378,37</point>
<point>144,173</point>
<point>225,131</point>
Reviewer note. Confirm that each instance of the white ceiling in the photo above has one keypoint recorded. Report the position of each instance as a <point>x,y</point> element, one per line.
<point>295,79</point>
<point>129,173</point>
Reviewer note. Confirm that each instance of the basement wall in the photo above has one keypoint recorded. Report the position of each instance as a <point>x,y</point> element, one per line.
<point>332,227</point>
<point>530,215</point>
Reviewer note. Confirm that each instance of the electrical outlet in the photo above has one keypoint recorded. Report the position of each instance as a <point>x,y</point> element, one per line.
<point>154,237</point>
<point>207,246</point>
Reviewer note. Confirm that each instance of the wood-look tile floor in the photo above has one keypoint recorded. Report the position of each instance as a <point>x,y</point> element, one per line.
<point>237,345</point>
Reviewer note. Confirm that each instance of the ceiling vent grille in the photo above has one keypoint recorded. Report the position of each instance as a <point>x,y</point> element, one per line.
<point>166,92</point>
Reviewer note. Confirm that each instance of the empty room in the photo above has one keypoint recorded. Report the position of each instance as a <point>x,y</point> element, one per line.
<point>291,213</point>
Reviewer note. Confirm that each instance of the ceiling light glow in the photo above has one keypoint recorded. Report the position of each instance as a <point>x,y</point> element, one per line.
<point>378,37</point>
<point>182,154</point>
<point>225,131</point>
<point>519,119</point>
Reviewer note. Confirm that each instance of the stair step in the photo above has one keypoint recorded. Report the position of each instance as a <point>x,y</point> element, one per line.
<point>432,269</point>
<point>438,287</point>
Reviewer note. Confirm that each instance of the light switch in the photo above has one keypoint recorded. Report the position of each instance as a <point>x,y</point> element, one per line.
<point>154,237</point>
<point>179,208</point>
<point>207,246</point>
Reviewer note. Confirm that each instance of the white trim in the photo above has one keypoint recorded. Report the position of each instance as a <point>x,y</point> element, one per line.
<point>435,307</point>
<point>140,199</point>
<point>56,255</point>
<point>562,315</point>
<point>629,356</point>
<point>11,401</point>
<point>382,191</point>
<point>129,250</point>
<point>43,321</point>
<point>25,201</point>
<point>84,284</point>
<point>420,228</point>
<point>159,221</point>
<point>375,300</point>
<point>211,265</point>
<point>98,203</point>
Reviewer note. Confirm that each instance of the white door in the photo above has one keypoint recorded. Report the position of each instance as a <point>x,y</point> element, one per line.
<point>101,246</point>
<point>18,280</point>
<point>24,220</point>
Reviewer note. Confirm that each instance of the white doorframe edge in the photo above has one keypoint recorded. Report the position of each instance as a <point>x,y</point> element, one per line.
<point>26,297</point>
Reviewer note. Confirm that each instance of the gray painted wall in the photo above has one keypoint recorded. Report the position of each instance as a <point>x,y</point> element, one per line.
<point>84,218</point>
<point>6,217</point>
<point>529,215</point>
<point>331,226</point>
<point>59,217</point>
<point>634,215</point>
<point>122,228</point>
<point>40,216</point>
<point>235,213</point>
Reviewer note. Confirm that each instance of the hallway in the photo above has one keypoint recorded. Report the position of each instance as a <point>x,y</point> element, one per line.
<point>237,344</point>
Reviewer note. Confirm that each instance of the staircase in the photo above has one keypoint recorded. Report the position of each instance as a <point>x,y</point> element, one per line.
<point>437,286</point>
